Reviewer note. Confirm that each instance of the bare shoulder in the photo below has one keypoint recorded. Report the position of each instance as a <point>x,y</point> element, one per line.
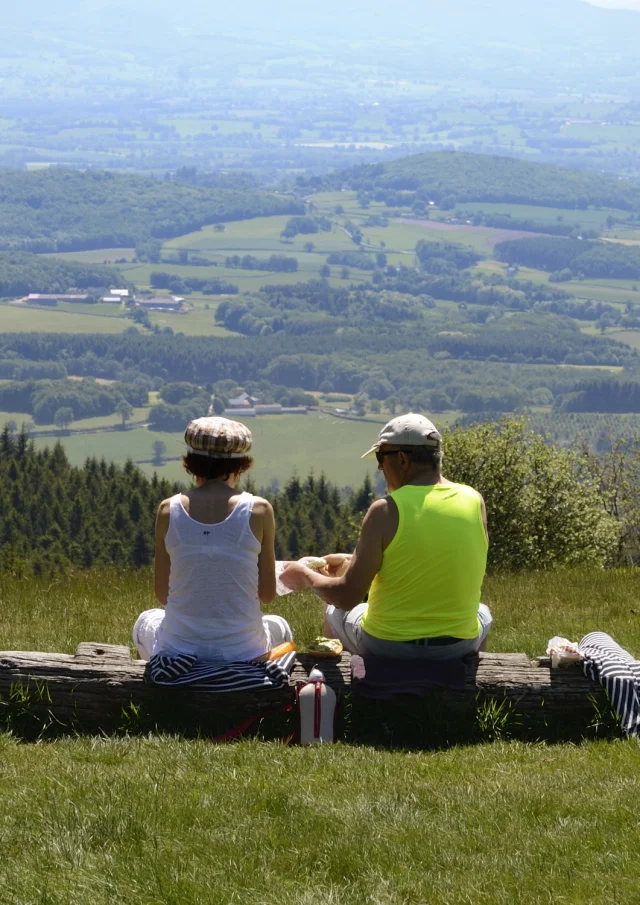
<point>382,509</point>
<point>262,507</point>
<point>163,508</point>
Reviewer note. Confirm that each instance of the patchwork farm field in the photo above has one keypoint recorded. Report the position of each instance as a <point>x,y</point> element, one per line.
<point>261,237</point>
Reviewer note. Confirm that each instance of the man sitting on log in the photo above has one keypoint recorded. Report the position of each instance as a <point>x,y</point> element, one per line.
<point>421,556</point>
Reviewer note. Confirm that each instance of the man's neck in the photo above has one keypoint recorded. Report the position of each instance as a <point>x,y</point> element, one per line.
<point>425,477</point>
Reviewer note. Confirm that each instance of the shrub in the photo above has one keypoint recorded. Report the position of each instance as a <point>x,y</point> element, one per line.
<point>543,504</point>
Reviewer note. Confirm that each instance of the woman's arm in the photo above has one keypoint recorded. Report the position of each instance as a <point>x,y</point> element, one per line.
<point>263,525</point>
<point>162,563</point>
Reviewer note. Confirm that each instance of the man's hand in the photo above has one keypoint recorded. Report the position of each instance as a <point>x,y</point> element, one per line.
<point>337,564</point>
<point>296,577</point>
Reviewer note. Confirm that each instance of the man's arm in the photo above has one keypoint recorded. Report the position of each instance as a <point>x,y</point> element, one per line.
<point>162,563</point>
<point>344,593</point>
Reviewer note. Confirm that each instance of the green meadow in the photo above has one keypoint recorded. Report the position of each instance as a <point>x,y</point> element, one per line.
<point>282,445</point>
<point>588,219</point>
<point>261,234</point>
<point>161,819</point>
<point>26,318</point>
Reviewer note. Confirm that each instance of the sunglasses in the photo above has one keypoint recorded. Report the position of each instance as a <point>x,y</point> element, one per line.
<point>387,452</point>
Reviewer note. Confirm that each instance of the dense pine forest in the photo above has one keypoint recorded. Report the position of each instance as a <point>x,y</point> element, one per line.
<point>54,517</point>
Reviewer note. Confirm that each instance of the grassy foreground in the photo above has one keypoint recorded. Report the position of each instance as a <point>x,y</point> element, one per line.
<point>56,614</point>
<point>155,820</point>
<point>164,820</point>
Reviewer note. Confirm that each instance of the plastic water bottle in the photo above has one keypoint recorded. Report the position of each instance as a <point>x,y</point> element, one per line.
<point>317,710</point>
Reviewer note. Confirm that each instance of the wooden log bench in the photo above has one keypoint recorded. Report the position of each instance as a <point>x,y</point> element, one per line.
<point>101,688</point>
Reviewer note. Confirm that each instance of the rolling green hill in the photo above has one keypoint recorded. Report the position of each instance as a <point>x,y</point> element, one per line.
<point>66,210</point>
<point>478,177</point>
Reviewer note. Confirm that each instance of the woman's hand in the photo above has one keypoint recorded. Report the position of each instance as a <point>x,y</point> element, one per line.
<point>337,564</point>
<point>296,577</point>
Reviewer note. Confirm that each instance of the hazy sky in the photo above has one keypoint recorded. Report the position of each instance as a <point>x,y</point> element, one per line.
<point>618,4</point>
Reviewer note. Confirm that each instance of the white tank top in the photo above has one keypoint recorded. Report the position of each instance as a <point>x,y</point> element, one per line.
<point>213,610</point>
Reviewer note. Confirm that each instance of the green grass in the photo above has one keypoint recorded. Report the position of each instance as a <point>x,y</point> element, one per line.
<point>140,821</point>
<point>66,318</point>
<point>57,614</point>
<point>135,443</point>
<point>26,319</point>
<point>630,337</point>
<point>162,821</point>
<point>257,236</point>
<point>612,291</point>
<point>588,219</point>
<point>282,445</point>
<point>200,321</point>
<point>287,444</point>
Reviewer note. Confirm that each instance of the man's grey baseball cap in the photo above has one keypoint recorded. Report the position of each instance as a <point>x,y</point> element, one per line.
<point>407,430</point>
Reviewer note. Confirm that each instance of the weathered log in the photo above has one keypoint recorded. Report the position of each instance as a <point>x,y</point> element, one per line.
<point>103,688</point>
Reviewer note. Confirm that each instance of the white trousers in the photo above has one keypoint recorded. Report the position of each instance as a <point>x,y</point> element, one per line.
<point>145,631</point>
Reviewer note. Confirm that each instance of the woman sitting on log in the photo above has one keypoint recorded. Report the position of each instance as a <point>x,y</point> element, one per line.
<point>214,557</point>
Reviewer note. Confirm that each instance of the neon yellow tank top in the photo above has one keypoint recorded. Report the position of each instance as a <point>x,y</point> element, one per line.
<point>432,571</point>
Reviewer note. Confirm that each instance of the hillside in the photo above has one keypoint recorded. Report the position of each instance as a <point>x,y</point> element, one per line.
<point>479,177</point>
<point>69,210</point>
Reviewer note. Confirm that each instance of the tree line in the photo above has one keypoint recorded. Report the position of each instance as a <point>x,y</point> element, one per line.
<point>183,284</point>
<point>568,258</point>
<point>43,399</point>
<point>22,273</point>
<point>408,364</point>
<point>546,506</point>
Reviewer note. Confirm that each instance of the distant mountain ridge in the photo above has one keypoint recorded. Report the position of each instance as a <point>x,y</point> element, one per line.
<point>525,22</point>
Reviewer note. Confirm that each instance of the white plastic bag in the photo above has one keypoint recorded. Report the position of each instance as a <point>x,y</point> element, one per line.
<point>563,652</point>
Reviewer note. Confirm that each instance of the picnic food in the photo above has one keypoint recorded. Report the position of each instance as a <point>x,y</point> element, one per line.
<point>325,647</point>
<point>317,563</point>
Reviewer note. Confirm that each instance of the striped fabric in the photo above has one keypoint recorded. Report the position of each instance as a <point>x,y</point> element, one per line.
<point>185,669</point>
<point>618,673</point>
